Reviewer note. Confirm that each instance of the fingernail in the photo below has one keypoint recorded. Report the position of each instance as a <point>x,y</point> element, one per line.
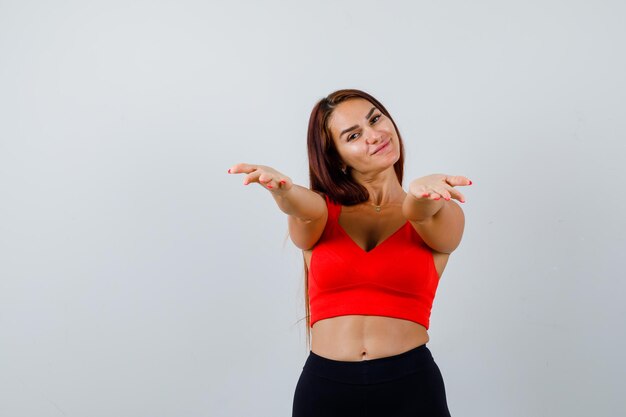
<point>269,186</point>
<point>283,181</point>
<point>462,201</point>
<point>425,195</point>
<point>470,182</point>
<point>229,170</point>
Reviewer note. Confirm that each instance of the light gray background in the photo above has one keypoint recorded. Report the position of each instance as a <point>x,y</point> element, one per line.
<point>139,279</point>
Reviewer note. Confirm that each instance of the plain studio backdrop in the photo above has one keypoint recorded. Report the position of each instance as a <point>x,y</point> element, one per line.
<point>138,278</point>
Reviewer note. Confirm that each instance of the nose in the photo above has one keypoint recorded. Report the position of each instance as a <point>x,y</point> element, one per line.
<point>374,136</point>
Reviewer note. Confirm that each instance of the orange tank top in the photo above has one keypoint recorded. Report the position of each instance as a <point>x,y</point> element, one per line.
<point>395,279</point>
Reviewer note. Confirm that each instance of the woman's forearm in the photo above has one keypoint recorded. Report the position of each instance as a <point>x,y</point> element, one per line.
<point>300,202</point>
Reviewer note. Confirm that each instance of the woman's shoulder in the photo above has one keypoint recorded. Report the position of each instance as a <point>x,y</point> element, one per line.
<point>334,207</point>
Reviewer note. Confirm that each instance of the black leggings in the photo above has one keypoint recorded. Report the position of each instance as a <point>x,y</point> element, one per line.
<point>407,384</point>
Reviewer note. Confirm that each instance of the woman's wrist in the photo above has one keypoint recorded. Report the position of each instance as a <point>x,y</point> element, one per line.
<point>421,209</point>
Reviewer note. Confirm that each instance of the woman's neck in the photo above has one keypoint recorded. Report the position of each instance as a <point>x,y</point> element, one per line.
<point>383,189</point>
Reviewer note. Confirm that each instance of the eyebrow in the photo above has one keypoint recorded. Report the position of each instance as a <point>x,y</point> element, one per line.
<point>355,126</point>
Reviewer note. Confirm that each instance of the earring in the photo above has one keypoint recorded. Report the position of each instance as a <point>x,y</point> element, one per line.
<point>344,170</point>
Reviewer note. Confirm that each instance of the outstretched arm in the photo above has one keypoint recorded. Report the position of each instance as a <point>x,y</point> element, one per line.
<point>439,221</point>
<point>306,210</point>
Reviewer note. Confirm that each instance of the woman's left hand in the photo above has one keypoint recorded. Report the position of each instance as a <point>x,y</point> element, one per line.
<point>436,186</point>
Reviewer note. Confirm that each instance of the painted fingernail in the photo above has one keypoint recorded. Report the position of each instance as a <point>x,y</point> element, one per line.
<point>229,170</point>
<point>283,181</point>
<point>470,182</point>
<point>269,186</point>
<point>425,195</point>
<point>462,201</point>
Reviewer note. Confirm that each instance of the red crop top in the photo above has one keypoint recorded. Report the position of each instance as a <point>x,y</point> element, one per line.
<point>395,279</point>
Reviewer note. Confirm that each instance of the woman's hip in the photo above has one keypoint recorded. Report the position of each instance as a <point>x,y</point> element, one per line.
<point>409,383</point>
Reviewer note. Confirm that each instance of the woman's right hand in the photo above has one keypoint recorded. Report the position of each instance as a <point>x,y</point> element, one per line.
<point>268,177</point>
<point>306,209</point>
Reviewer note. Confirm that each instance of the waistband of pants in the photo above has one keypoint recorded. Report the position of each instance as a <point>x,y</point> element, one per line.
<point>370,371</point>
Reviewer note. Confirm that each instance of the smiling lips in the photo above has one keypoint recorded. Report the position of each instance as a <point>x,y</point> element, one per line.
<point>381,146</point>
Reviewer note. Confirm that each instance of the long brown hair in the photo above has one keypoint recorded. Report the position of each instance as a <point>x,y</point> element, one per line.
<point>325,175</point>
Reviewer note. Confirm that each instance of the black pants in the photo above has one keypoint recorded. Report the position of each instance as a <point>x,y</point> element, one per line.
<point>407,384</point>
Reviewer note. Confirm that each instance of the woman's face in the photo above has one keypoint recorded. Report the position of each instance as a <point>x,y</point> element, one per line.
<point>364,137</point>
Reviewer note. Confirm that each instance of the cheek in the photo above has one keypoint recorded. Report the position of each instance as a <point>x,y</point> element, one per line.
<point>388,128</point>
<point>345,151</point>
<point>352,153</point>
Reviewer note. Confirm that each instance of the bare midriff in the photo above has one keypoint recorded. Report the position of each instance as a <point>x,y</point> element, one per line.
<point>358,337</point>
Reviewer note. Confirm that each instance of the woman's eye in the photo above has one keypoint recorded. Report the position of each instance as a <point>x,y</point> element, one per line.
<point>375,119</point>
<point>352,136</point>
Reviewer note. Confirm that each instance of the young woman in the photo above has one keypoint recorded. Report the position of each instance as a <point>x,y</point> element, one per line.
<point>373,254</point>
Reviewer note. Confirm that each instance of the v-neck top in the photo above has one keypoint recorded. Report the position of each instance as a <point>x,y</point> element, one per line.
<point>397,278</point>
